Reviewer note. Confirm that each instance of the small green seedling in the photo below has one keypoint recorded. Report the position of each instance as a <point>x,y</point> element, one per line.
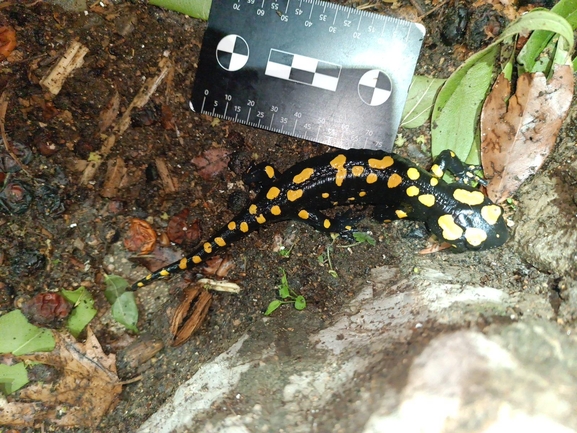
<point>284,252</point>
<point>511,204</point>
<point>287,296</point>
<point>326,258</point>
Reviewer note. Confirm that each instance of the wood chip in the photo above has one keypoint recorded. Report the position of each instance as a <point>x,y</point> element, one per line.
<point>169,183</point>
<point>114,176</point>
<point>72,59</point>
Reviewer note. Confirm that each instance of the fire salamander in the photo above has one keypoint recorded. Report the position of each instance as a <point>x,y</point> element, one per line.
<point>456,213</point>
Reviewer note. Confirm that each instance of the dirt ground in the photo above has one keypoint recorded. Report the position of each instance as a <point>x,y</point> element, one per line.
<point>72,234</point>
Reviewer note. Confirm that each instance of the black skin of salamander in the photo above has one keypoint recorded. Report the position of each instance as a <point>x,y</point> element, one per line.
<point>456,213</point>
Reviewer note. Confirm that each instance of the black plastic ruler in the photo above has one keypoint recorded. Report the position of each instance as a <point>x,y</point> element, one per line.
<point>307,68</point>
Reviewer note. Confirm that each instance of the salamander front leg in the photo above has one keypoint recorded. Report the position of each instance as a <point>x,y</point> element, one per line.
<point>448,161</point>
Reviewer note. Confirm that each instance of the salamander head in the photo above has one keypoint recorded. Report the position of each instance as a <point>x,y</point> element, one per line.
<point>473,223</point>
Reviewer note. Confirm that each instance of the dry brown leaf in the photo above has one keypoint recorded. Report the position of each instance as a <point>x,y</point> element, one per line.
<point>84,393</point>
<point>141,237</point>
<point>517,137</point>
<point>211,163</point>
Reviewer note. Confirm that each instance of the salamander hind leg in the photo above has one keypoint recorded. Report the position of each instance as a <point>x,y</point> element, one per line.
<point>385,214</point>
<point>343,224</point>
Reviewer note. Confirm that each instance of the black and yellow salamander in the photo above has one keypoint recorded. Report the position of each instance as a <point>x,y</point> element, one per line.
<point>456,213</point>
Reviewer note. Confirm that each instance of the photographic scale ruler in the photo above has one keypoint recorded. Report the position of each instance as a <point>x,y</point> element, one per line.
<point>307,68</point>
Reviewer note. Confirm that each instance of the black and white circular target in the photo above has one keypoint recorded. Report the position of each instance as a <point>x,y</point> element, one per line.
<point>375,87</point>
<point>232,52</point>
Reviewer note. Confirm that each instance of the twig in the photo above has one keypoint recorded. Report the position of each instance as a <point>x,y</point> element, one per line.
<point>434,9</point>
<point>3,108</point>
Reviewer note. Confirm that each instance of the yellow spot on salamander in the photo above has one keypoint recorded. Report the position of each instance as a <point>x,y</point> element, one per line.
<point>243,227</point>
<point>412,191</point>
<point>381,164</point>
<point>338,162</point>
<point>434,181</point>
<point>164,273</point>
<point>260,219</point>
<point>451,231</point>
<point>325,195</point>
<point>401,214</point>
<point>357,170</point>
<point>413,173</point>
<point>471,198</point>
<point>362,194</point>
<point>394,180</point>
<point>196,260</point>
<point>269,171</point>
<point>293,195</point>
<point>303,214</point>
<point>491,213</point>
<point>148,277</point>
<point>182,263</point>
<point>372,178</point>
<point>436,170</point>
<point>207,247</point>
<point>475,236</point>
<point>351,199</point>
<point>327,223</point>
<point>427,199</point>
<point>220,241</point>
<point>275,210</point>
<point>252,209</point>
<point>232,225</point>
<point>273,193</point>
<point>140,284</point>
<point>303,175</point>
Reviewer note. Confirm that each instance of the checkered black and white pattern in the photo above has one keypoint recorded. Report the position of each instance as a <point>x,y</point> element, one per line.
<point>375,87</point>
<point>302,69</point>
<point>232,52</point>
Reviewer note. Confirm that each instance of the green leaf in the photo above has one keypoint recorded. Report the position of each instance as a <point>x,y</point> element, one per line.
<point>272,307</point>
<point>115,286</point>
<point>561,19</point>
<point>125,311</point>
<point>20,337</point>
<point>363,237</point>
<point>194,8</point>
<point>420,101</point>
<point>284,292</point>
<point>83,311</point>
<point>455,128</point>
<point>12,377</point>
<point>455,124</point>
<point>300,303</point>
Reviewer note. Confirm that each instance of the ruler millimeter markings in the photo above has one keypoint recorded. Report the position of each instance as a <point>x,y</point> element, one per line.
<point>307,68</point>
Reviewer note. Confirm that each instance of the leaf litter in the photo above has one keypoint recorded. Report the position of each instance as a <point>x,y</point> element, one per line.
<point>86,390</point>
<point>519,131</point>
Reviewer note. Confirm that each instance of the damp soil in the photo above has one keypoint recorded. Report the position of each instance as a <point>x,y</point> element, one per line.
<point>72,235</point>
